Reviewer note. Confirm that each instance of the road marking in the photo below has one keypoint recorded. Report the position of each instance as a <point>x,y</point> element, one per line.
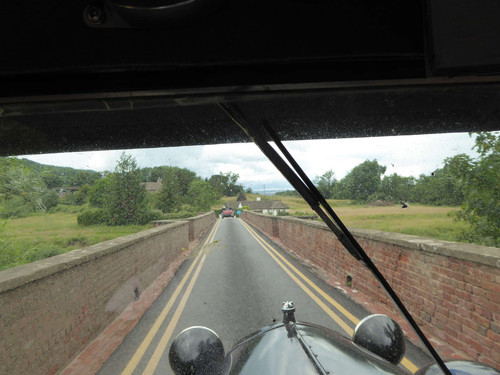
<point>405,361</point>
<point>409,365</point>
<point>136,358</point>
<point>316,299</point>
<point>162,345</point>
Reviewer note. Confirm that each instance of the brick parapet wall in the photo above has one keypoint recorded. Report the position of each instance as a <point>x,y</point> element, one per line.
<point>51,309</point>
<point>451,289</point>
<point>198,224</point>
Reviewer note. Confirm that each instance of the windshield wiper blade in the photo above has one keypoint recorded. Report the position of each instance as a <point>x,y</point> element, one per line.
<point>259,134</point>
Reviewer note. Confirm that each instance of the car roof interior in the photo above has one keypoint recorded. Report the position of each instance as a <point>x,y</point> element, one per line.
<point>93,75</point>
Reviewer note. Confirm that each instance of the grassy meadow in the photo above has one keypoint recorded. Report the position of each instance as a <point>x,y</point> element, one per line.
<point>418,220</point>
<point>37,237</point>
<point>28,239</point>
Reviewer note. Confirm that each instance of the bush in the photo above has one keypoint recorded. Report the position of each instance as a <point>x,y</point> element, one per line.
<point>144,217</point>
<point>92,216</point>
<point>95,216</point>
<point>68,209</point>
<point>39,252</point>
<point>50,199</point>
<point>15,207</point>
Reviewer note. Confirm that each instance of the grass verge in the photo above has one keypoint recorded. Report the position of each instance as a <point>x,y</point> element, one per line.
<point>37,237</point>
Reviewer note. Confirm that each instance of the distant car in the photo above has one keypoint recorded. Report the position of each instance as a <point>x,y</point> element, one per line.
<point>227,212</point>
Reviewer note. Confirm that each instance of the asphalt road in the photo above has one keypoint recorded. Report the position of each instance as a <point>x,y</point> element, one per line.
<point>235,284</point>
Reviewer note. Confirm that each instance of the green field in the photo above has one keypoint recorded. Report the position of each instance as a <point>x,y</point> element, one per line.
<point>37,237</point>
<point>32,238</point>
<point>425,221</point>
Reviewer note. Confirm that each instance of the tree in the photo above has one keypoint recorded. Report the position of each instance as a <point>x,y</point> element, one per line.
<point>481,189</point>
<point>362,181</point>
<point>288,193</point>
<point>126,200</point>
<point>98,193</point>
<point>50,179</point>
<point>241,197</point>
<point>201,195</point>
<point>396,188</point>
<point>170,196</point>
<point>22,191</point>
<point>84,177</point>
<point>325,183</point>
<point>225,184</point>
<point>445,185</point>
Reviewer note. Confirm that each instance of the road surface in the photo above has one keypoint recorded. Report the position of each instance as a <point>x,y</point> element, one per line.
<point>234,284</point>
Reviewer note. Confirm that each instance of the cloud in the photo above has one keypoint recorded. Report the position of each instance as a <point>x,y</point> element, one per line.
<point>404,155</point>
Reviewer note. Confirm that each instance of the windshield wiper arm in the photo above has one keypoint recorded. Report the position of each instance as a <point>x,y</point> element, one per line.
<point>259,134</point>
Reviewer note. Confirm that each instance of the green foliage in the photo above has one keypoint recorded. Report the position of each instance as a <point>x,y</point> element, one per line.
<point>64,176</point>
<point>81,178</point>
<point>15,207</point>
<point>226,184</point>
<point>119,198</point>
<point>50,199</point>
<point>325,184</point>
<point>183,214</point>
<point>39,252</point>
<point>22,191</point>
<point>51,179</point>
<point>445,186</point>
<point>146,216</point>
<point>170,196</point>
<point>361,182</point>
<point>66,208</point>
<point>79,197</point>
<point>395,188</point>
<point>481,189</point>
<point>125,199</point>
<point>241,197</point>
<point>201,195</point>
<point>175,186</point>
<point>92,216</point>
<point>97,194</point>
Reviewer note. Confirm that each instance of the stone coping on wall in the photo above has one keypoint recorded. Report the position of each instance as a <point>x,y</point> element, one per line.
<point>193,218</point>
<point>17,276</point>
<point>474,253</point>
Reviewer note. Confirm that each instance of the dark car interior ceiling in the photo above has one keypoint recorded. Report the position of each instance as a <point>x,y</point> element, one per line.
<point>88,75</point>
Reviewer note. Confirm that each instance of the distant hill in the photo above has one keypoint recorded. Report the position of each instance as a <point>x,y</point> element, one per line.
<point>67,176</point>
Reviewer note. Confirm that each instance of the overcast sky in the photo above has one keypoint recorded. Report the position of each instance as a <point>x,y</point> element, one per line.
<point>404,155</point>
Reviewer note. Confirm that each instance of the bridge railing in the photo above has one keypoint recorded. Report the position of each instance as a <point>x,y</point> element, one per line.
<point>52,309</point>
<point>451,289</point>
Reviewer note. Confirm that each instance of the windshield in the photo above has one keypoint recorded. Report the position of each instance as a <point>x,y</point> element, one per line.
<point>232,240</point>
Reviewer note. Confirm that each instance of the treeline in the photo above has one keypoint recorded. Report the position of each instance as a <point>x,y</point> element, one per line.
<point>114,198</point>
<point>366,183</point>
<point>473,184</point>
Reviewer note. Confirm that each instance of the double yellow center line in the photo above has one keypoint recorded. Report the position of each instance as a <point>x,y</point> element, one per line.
<point>160,348</point>
<point>311,289</point>
<point>282,261</point>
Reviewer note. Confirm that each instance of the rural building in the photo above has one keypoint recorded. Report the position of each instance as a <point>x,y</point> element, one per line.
<point>153,187</point>
<point>271,207</point>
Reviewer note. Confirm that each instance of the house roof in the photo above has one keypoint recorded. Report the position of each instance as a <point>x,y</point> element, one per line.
<point>258,205</point>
